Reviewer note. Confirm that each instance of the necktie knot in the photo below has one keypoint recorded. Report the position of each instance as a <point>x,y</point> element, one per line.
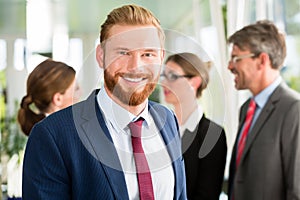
<point>252,106</point>
<point>136,127</point>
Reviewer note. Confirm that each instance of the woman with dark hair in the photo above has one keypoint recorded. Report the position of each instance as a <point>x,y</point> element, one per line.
<point>51,86</point>
<point>184,79</point>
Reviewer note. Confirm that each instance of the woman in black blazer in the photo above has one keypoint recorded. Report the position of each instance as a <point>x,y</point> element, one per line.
<point>203,141</point>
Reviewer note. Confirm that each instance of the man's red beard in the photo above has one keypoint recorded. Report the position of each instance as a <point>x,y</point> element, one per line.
<point>132,97</point>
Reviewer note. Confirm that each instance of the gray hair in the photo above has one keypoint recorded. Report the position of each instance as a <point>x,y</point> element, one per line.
<point>263,36</point>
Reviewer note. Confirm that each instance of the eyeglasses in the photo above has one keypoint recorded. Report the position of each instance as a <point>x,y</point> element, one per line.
<point>173,77</point>
<point>235,59</point>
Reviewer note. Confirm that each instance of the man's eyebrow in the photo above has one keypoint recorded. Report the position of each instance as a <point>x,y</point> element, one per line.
<point>150,49</point>
<point>121,48</point>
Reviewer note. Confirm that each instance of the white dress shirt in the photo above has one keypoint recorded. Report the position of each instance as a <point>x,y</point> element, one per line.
<point>117,119</point>
<point>192,122</point>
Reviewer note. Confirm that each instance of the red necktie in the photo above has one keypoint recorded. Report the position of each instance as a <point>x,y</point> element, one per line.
<point>247,124</point>
<point>142,168</point>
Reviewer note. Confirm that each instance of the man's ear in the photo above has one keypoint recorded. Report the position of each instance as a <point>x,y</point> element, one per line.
<point>264,59</point>
<point>99,55</point>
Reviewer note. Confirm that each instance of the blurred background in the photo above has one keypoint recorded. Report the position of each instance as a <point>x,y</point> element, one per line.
<point>68,31</point>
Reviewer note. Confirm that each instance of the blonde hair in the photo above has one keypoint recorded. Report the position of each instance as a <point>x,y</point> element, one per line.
<point>130,15</point>
<point>48,78</point>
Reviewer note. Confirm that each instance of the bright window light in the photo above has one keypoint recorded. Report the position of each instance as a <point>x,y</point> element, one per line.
<point>33,61</point>
<point>39,25</point>
<point>3,54</point>
<point>19,54</point>
<point>61,44</point>
<point>75,53</point>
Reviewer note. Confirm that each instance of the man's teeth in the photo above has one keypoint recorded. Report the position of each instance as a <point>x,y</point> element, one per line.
<point>133,79</point>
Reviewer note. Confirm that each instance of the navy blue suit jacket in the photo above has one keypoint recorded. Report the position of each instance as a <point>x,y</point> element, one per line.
<point>70,155</point>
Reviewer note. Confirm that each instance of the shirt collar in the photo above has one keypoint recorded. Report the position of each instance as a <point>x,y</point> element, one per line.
<point>262,98</point>
<point>116,114</point>
<point>193,120</point>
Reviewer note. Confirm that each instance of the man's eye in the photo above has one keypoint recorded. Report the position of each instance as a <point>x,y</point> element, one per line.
<point>123,52</point>
<point>149,54</point>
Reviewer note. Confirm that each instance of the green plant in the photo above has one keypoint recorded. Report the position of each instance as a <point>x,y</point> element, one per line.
<point>155,94</point>
<point>294,83</point>
<point>12,138</point>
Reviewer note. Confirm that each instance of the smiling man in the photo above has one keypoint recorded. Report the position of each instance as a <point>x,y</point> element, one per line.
<point>265,161</point>
<point>131,69</point>
<point>116,144</point>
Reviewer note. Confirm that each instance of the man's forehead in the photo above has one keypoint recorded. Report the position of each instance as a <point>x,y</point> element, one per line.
<point>134,37</point>
<point>235,48</point>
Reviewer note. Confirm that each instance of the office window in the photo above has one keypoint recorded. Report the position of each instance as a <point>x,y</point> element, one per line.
<point>3,53</point>
<point>76,53</point>
<point>19,54</point>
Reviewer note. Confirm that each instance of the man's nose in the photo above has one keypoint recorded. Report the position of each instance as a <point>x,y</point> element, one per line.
<point>230,65</point>
<point>135,61</point>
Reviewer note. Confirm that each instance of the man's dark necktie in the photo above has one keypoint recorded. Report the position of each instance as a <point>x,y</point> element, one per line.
<point>142,168</point>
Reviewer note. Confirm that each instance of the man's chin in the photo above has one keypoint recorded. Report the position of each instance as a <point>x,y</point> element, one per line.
<point>139,90</point>
<point>132,96</point>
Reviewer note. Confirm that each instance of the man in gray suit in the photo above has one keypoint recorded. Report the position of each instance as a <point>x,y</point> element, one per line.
<point>265,162</point>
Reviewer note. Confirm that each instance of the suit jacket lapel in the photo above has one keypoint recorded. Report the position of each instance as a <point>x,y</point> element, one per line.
<point>262,118</point>
<point>172,139</point>
<point>96,138</point>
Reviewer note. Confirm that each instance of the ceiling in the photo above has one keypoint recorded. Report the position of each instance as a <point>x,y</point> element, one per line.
<point>84,16</point>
